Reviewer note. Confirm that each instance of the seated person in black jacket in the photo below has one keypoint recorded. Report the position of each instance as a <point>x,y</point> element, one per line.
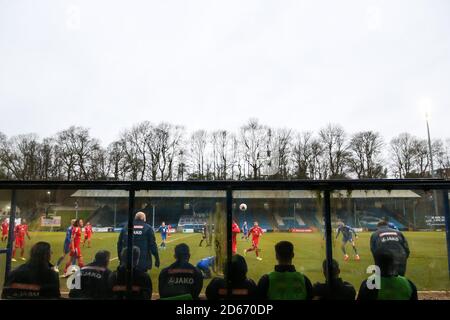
<point>285,283</point>
<point>341,290</point>
<point>242,288</point>
<point>181,280</point>
<point>390,285</point>
<point>35,279</point>
<point>94,279</point>
<point>141,285</point>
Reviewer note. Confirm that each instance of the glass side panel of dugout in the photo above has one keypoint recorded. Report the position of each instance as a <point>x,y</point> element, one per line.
<point>295,216</point>
<point>77,224</point>
<point>417,214</point>
<point>193,220</point>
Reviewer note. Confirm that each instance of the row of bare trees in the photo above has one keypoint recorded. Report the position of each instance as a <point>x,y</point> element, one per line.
<point>165,151</point>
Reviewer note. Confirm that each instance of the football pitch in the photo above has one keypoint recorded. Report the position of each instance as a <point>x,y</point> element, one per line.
<point>427,265</point>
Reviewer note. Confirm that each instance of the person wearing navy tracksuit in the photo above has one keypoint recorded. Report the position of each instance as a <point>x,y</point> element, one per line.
<point>392,240</point>
<point>144,239</point>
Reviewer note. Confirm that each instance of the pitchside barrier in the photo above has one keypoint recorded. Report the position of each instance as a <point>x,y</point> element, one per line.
<point>324,191</point>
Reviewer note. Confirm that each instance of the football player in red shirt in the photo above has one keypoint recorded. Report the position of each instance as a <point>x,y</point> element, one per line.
<point>20,231</point>
<point>235,230</point>
<point>169,230</point>
<point>256,233</point>
<point>75,250</point>
<point>87,234</point>
<point>5,229</point>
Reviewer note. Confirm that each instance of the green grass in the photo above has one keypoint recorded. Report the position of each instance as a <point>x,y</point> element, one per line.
<point>427,266</point>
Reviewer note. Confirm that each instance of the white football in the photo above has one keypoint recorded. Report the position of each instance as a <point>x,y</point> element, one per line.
<point>243,207</point>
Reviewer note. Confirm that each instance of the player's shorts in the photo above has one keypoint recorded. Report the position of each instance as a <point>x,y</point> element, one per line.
<point>75,252</point>
<point>255,243</point>
<point>87,237</point>
<point>66,248</point>
<point>164,236</point>
<point>20,242</point>
<point>4,233</point>
<point>345,240</point>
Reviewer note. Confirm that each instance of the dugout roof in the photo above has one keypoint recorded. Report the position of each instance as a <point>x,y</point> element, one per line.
<point>245,194</point>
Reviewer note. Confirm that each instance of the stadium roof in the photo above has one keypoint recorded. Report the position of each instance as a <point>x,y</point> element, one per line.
<point>244,194</point>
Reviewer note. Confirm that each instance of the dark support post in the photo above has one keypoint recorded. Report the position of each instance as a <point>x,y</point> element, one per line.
<point>12,221</point>
<point>229,238</point>
<point>447,225</point>
<point>130,242</point>
<point>328,236</point>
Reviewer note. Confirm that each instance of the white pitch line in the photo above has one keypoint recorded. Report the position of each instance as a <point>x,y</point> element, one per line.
<point>191,235</point>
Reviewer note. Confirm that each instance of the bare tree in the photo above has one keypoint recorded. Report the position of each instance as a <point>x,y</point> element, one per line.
<point>441,150</point>
<point>421,158</point>
<point>20,156</point>
<point>74,149</point>
<point>116,164</point>
<point>160,152</point>
<point>224,151</point>
<point>281,146</point>
<point>170,141</point>
<point>254,139</point>
<point>302,156</point>
<point>402,155</point>
<point>48,163</point>
<point>197,145</point>
<point>3,165</point>
<point>365,155</point>
<point>333,140</point>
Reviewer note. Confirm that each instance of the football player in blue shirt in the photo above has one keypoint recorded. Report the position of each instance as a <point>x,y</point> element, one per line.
<point>244,231</point>
<point>163,229</point>
<point>205,264</point>
<point>347,236</point>
<point>66,248</point>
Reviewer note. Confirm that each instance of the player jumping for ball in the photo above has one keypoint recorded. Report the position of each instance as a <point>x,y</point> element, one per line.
<point>20,231</point>
<point>347,236</point>
<point>256,233</point>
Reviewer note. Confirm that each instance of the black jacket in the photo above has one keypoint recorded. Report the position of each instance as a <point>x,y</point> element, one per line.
<point>180,278</point>
<point>144,238</point>
<point>240,290</point>
<point>263,284</point>
<point>29,282</point>
<point>94,283</point>
<point>141,287</point>
<point>342,290</point>
<point>387,239</point>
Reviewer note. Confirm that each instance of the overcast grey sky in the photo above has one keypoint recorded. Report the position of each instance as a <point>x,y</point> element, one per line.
<point>213,64</point>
